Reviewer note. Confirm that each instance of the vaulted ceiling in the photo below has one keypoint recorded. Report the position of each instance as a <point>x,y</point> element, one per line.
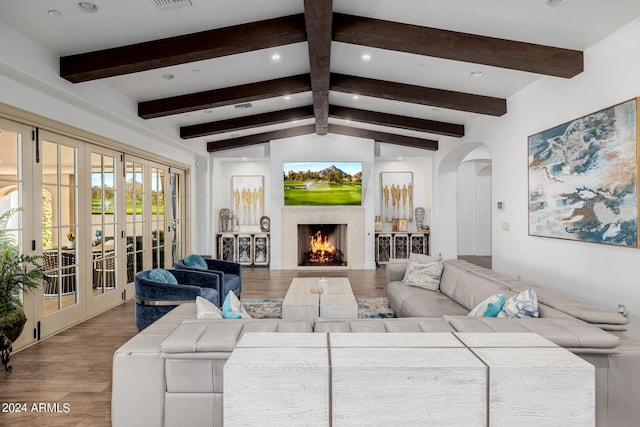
<point>403,72</point>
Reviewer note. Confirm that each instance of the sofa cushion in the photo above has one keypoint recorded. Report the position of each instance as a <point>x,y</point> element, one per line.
<point>207,310</point>
<point>195,261</point>
<point>163,276</point>
<point>490,307</point>
<point>409,301</point>
<point>424,275</point>
<point>524,304</point>
<point>468,289</point>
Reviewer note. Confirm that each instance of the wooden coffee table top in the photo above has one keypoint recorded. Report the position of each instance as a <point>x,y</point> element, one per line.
<point>337,301</point>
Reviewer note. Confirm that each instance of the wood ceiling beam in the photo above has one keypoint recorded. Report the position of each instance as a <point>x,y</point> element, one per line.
<point>260,138</point>
<point>457,46</point>
<point>224,96</point>
<point>246,122</point>
<point>419,95</point>
<point>318,18</point>
<point>183,49</point>
<point>390,138</point>
<point>384,119</point>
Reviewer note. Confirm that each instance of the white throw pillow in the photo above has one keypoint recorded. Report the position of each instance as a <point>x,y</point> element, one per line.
<point>424,275</point>
<point>424,258</point>
<point>524,304</point>
<point>490,307</point>
<point>207,310</point>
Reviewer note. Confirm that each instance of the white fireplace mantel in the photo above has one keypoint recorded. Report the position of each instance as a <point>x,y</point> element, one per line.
<point>353,216</point>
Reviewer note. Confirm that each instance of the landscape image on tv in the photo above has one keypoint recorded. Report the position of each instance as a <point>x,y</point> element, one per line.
<point>322,183</point>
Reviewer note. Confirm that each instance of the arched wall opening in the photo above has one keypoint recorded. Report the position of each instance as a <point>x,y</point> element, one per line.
<point>464,202</point>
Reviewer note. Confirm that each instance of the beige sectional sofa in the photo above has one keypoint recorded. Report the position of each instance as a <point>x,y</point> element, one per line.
<point>172,372</point>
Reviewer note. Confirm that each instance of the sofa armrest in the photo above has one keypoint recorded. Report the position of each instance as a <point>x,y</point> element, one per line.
<point>395,270</point>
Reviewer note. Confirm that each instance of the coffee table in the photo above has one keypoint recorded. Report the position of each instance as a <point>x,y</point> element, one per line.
<point>335,302</point>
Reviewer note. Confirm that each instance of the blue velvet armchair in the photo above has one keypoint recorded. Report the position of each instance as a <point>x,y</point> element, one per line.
<point>156,298</point>
<point>230,274</point>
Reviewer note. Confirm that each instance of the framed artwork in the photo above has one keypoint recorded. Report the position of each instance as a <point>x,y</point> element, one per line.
<point>583,178</point>
<point>395,224</point>
<point>403,225</point>
<point>396,192</point>
<point>247,194</point>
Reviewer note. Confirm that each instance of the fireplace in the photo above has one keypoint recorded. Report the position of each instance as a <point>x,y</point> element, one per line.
<point>322,245</point>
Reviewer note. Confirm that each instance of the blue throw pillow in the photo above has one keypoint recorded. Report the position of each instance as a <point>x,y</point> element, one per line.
<point>195,261</point>
<point>232,308</point>
<point>163,276</point>
<point>490,307</point>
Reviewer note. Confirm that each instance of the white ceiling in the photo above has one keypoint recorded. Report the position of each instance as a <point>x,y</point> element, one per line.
<point>576,24</point>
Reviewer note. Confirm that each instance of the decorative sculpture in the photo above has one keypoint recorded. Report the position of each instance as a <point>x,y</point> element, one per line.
<point>225,220</point>
<point>419,212</point>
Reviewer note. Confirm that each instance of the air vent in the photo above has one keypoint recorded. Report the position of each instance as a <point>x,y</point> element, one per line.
<point>171,4</point>
<point>243,106</point>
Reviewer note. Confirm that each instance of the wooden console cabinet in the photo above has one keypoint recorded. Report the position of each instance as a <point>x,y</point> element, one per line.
<point>399,245</point>
<point>244,248</point>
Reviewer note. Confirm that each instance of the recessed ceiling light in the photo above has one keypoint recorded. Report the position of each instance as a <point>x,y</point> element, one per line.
<point>87,6</point>
<point>195,71</point>
<point>54,13</point>
<point>234,135</point>
<point>366,57</point>
<point>168,76</point>
<point>356,97</point>
<point>435,109</point>
<point>275,57</point>
<point>554,3</point>
<point>286,98</point>
<point>476,73</point>
<point>207,111</point>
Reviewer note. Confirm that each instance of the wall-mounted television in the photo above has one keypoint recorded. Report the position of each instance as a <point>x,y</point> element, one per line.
<point>322,183</point>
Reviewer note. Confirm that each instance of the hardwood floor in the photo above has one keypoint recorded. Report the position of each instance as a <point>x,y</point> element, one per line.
<point>73,368</point>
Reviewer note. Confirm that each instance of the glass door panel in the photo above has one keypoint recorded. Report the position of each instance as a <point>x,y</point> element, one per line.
<point>103,223</point>
<point>59,226</point>
<point>178,212</point>
<point>158,220</point>
<point>135,216</point>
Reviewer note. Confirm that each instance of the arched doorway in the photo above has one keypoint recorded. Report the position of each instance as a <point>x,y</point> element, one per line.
<point>464,207</point>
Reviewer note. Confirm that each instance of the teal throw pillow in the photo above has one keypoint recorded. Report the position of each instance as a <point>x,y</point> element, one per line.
<point>490,307</point>
<point>163,276</point>
<point>232,308</point>
<point>195,261</point>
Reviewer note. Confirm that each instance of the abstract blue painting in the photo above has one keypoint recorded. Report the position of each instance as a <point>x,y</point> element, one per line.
<point>583,178</point>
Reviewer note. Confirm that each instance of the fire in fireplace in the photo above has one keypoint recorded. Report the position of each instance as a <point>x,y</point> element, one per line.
<point>321,245</point>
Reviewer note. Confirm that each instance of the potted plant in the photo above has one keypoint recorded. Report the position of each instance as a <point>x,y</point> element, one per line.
<point>18,273</point>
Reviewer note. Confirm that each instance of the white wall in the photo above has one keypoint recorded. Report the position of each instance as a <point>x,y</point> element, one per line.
<point>602,274</point>
<point>267,160</point>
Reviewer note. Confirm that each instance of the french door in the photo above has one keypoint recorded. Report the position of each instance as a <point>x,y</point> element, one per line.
<point>56,171</point>
<point>106,240</point>
<point>96,216</point>
<point>15,175</point>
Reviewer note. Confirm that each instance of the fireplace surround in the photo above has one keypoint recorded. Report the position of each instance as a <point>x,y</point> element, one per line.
<point>354,235</point>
